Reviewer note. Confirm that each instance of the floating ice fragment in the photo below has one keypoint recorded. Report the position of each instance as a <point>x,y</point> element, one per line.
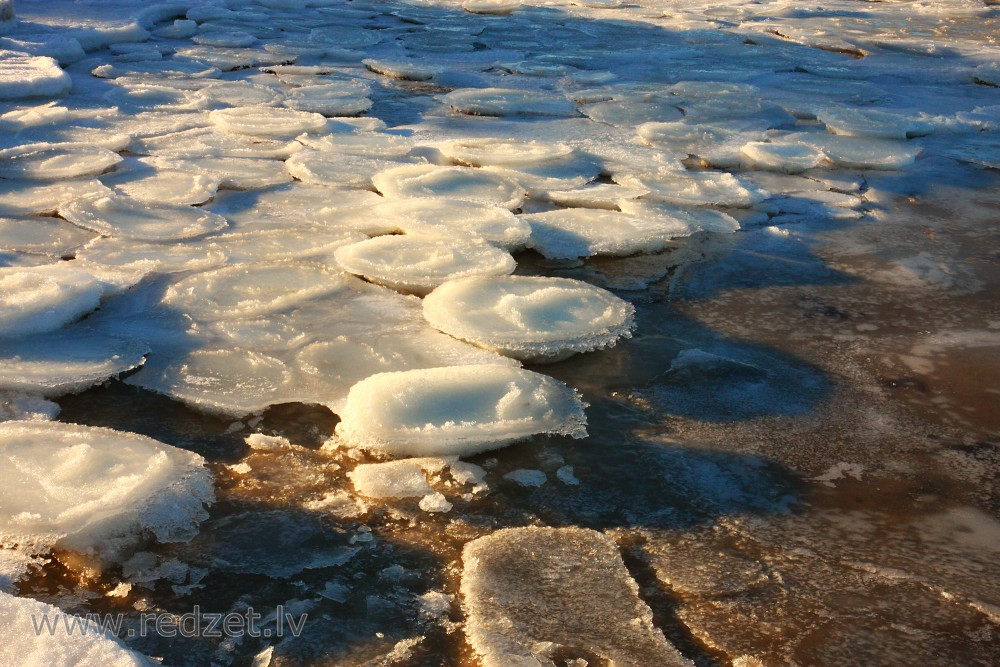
<point>42,298</point>
<point>457,411</point>
<point>42,235</point>
<point>501,153</point>
<point>396,479</point>
<point>246,290</point>
<point>435,502</point>
<point>94,490</point>
<point>531,593</point>
<point>427,180</point>
<point>31,76</point>
<point>583,232</point>
<point>42,162</point>
<point>145,182</point>
<point>224,39</point>
<point>366,144</point>
<point>508,102</point>
<point>331,99</point>
<point>232,172</point>
<point>18,406</point>
<point>696,188</point>
<point>125,217</point>
<point>629,112</point>
<point>566,476</point>
<point>332,169</point>
<point>176,68</point>
<point>787,157</point>
<point>600,195</point>
<point>267,121</point>
<point>402,69</point>
<point>536,319</point>
<point>64,362</point>
<point>527,478</point>
<point>863,152</point>
<point>235,94</point>
<point>85,644</point>
<point>872,123</point>
<point>418,264</point>
<point>500,7</point>
<point>153,257</point>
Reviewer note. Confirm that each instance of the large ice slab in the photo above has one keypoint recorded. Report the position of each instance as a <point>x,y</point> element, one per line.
<point>508,102</point>
<point>96,490</point>
<point>460,410</point>
<point>532,594</point>
<point>537,319</point>
<point>42,235</point>
<point>267,121</point>
<point>501,153</point>
<point>696,188</point>
<point>466,183</point>
<point>418,264</point>
<point>86,644</point>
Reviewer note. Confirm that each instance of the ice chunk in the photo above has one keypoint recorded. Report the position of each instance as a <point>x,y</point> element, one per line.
<point>874,123</point>
<point>402,69</point>
<point>504,153</point>
<point>31,76</point>
<point>266,245</point>
<point>696,219</point>
<point>232,381</point>
<point>508,102</point>
<point>788,157</point>
<point>498,7</point>
<point>454,218</point>
<point>529,318</point>
<point>235,94</point>
<point>427,180</point>
<point>435,502</point>
<point>527,478</point>
<point>460,410</point>
<point>201,142</point>
<point>153,257</point>
<point>86,644</point>
<point>396,479</point>
<point>230,39</point>
<point>42,298</point>
<point>125,217</point>
<point>530,593</point>
<point>582,232</point>
<point>336,169</point>
<point>418,264</point>
<point>64,362</point>
<point>95,490</point>
<point>178,68</point>
<point>42,162</point>
<point>329,99</point>
<point>696,188</point>
<point>246,290</point>
<point>232,172</point>
<point>367,144</point>
<point>863,152</point>
<point>267,121</point>
<point>632,111</point>
<point>42,235</point>
<point>145,182</point>
<point>600,195</point>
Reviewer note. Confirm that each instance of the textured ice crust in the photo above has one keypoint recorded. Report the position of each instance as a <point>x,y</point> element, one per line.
<point>534,319</point>
<point>457,411</point>
<point>530,593</point>
<point>96,490</point>
<point>25,647</point>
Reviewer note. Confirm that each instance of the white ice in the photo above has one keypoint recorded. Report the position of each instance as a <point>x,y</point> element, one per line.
<point>427,180</point>
<point>96,490</point>
<point>583,232</point>
<point>508,102</point>
<point>504,153</point>
<point>457,411</point>
<point>537,319</point>
<point>267,121</point>
<point>86,645</point>
<point>418,264</point>
<point>41,162</point>
<point>125,217</point>
<point>22,75</point>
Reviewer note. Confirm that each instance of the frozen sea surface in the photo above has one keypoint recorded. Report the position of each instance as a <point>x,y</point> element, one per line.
<point>498,332</point>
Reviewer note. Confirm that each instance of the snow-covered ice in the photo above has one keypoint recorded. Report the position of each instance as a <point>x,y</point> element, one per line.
<point>42,162</point>
<point>427,180</point>
<point>583,232</point>
<point>122,216</point>
<point>536,319</point>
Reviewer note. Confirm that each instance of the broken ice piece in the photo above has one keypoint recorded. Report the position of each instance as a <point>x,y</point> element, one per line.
<point>457,410</point>
<point>787,157</point>
<point>401,69</point>
<point>267,121</point>
<point>396,479</point>
<point>54,162</point>
<point>125,217</point>
<point>530,592</point>
<point>501,153</point>
<point>536,319</point>
<point>31,76</point>
<point>583,232</point>
<point>508,102</point>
